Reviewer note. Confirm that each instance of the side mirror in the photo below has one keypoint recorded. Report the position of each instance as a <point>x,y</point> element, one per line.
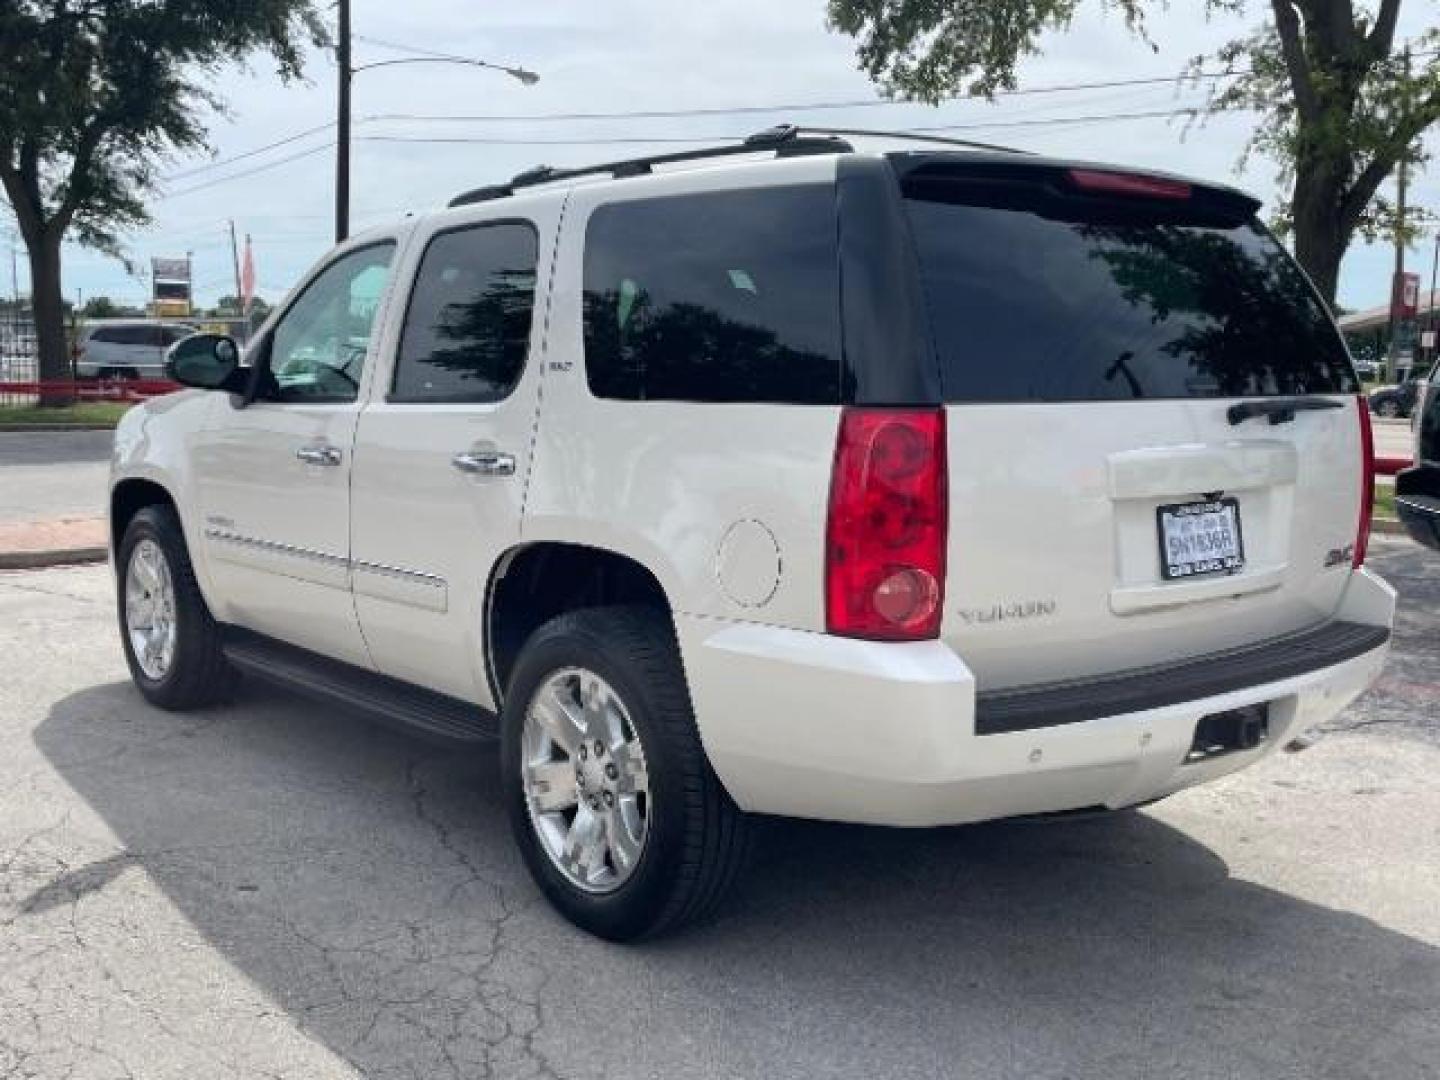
<point>205,361</point>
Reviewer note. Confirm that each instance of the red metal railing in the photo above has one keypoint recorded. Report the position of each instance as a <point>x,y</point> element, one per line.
<point>109,390</point>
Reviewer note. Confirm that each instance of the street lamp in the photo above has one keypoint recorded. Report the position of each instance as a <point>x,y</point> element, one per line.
<point>342,119</point>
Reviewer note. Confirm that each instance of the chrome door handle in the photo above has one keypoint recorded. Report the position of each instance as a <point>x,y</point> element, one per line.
<point>485,463</point>
<point>319,455</point>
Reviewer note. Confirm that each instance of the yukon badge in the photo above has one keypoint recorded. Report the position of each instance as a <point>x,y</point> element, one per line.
<point>1019,609</point>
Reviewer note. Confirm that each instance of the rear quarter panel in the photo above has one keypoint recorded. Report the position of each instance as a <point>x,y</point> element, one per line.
<point>664,482</point>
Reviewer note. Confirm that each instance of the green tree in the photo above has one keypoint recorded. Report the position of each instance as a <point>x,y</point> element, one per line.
<point>228,307</point>
<point>101,307</point>
<point>94,94</point>
<point>1340,102</point>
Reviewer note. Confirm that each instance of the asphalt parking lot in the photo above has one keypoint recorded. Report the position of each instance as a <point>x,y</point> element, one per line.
<point>53,474</point>
<point>275,889</point>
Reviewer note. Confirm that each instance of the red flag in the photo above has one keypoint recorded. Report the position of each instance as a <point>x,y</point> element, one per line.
<point>247,277</point>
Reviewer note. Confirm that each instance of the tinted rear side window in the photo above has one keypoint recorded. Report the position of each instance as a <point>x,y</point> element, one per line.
<point>730,296</point>
<point>122,335</point>
<point>467,329</point>
<point>1037,298</point>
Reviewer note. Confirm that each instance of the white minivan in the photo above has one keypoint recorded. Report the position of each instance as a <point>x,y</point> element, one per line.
<point>126,348</point>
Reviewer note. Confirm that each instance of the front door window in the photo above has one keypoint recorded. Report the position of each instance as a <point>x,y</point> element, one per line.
<point>318,348</point>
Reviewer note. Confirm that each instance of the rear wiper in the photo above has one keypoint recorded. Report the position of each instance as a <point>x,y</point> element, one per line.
<point>1280,410</point>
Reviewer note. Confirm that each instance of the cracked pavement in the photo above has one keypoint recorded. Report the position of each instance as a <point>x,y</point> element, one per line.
<point>276,889</point>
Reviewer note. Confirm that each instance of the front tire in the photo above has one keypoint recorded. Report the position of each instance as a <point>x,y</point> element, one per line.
<point>172,643</point>
<point>620,819</point>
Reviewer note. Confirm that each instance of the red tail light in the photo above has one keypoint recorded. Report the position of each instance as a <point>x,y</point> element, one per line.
<point>1103,182</point>
<point>885,543</point>
<point>1367,483</point>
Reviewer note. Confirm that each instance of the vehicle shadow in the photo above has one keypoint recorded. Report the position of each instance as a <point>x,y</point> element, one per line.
<point>368,885</point>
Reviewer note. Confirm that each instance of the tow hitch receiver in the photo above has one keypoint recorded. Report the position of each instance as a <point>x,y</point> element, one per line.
<point>1235,729</point>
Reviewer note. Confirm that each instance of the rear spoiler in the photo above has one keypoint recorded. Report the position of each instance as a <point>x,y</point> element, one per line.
<point>1069,190</point>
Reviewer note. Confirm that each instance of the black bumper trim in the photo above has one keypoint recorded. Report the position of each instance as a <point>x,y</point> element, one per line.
<point>1419,510</point>
<point>1075,701</point>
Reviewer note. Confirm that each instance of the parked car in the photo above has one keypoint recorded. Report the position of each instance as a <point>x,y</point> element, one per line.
<point>1367,369</point>
<point>778,536</point>
<point>1417,489</point>
<point>1396,401</point>
<point>126,348</point>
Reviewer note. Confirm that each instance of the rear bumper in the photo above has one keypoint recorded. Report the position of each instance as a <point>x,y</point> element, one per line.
<point>808,725</point>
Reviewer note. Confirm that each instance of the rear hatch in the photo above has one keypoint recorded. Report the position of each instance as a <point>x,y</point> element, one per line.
<point>1154,446</point>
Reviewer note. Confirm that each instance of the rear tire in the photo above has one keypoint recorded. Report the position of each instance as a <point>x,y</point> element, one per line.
<point>694,837</point>
<point>172,643</point>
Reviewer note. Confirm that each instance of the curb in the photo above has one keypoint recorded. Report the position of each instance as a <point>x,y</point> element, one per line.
<point>6,429</point>
<point>38,560</point>
<point>1383,525</point>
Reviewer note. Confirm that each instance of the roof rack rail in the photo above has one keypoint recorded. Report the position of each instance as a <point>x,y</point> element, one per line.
<point>785,140</point>
<point>917,136</point>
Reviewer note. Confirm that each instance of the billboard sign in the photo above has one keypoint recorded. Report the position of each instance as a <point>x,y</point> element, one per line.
<point>170,286</point>
<point>162,269</point>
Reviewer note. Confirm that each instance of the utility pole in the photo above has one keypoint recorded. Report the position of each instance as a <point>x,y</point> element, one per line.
<point>342,124</point>
<point>235,262</point>
<point>1402,175</point>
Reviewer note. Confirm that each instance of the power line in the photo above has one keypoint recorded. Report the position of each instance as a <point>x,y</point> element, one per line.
<point>248,172</point>
<point>249,153</point>
<point>670,114</point>
<point>794,107</point>
<point>640,139</point>
<point>664,139</point>
<point>1178,79</point>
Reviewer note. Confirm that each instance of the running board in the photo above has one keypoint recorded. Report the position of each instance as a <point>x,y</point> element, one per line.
<point>390,701</point>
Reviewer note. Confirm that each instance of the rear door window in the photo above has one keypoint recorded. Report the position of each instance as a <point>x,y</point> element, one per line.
<point>467,330</point>
<point>121,335</point>
<point>722,297</point>
<point>1035,295</point>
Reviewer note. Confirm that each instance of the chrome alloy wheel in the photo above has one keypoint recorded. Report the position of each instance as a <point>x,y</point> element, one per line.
<point>150,609</point>
<point>585,781</point>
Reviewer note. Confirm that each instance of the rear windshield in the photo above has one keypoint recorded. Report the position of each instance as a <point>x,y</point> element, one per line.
<point>1034,297</point>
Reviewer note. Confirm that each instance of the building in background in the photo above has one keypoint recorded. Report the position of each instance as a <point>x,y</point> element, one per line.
<point>1368,335</point>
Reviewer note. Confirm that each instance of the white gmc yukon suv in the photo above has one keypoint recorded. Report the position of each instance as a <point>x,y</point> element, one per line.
<point>912,487</point>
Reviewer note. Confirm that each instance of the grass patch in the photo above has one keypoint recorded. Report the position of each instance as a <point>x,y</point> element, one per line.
<point>1385,500</point>
<point>82,412</point>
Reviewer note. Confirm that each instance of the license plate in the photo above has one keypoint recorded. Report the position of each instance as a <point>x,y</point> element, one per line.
<point>1200,538</point>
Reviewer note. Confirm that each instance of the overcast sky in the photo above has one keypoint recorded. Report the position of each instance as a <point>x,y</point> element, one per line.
<point>637,55</point>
